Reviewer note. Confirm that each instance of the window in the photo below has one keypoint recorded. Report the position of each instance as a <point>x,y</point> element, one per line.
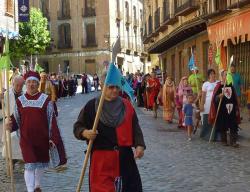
<point>10,7</point>
<point>91,37</point>
<point>165,8</point>
<point>156,4</point>
<point>89,8</point>
<point>134,12</point>
<point>141,16</point>
<point>127,10</point>
<point>64,36</point>
<point>128,40</point>
<point>118,5</point>
<point>64,9</point>
<point>44,4</point>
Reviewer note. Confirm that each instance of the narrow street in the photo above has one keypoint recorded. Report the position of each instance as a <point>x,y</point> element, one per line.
<point>171,163</point>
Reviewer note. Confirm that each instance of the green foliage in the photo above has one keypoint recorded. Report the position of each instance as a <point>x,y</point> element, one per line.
<point>34,36</point>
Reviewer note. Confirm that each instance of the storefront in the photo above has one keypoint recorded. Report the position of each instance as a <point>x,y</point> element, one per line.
<point>233,33</point>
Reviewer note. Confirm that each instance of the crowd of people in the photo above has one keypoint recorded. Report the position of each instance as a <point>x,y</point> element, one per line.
<point>196,100</point>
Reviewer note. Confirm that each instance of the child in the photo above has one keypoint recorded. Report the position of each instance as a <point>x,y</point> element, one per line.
<point>188,115</point>
<point>247,93</point>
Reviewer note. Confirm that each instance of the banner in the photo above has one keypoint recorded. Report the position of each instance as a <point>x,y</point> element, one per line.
<point>23,11</point>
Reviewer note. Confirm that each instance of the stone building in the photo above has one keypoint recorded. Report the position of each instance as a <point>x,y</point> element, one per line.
<point>176,28</point>
<point>83,32</point>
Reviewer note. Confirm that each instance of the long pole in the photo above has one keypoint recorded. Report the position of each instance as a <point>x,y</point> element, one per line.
<point>4,130</point>
<point>212,132</point>
<point>85,163</point>
<point>217,112</point>
<point>8,132</point>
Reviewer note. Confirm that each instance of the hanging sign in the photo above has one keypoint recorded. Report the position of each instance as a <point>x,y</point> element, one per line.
<point>23,11</point>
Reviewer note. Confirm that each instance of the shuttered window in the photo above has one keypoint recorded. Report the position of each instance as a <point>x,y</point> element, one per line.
<point>10,7</point>
<point>91,37</point>
<point>64,36</point>
<point>89,8</point>
<point>45,8</point>
<point>64,10</point>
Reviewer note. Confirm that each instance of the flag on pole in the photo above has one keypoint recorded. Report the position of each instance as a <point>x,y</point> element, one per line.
<point>5,61</point>
<point>114,77</point>
<point>229,76</point>
<point>38,68</point>
<point>116,49</point>
<point>221,58</point>
<point>191,63</point>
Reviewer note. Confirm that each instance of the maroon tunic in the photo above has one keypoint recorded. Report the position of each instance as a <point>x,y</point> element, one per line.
<point>35,118</point>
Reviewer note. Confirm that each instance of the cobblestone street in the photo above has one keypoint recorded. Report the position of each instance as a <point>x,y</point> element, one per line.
<point>171,163</point>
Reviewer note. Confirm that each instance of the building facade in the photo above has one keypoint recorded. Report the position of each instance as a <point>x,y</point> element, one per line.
<point>83,32</point>
<point>176,29</point>
<point>128,21</point>
<point>8,20</point>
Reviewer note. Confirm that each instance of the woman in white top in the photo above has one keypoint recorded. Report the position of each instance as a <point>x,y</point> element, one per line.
<point>206,98</point>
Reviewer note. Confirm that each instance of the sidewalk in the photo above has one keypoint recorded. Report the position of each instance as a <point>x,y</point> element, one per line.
<point>244,133</point>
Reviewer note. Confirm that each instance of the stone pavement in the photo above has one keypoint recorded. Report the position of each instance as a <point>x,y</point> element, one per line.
<point>170,164</point>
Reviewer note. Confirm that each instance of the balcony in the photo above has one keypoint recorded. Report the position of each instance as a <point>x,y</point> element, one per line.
<point>169,19</point>
<point>233,4</point>
<point>63,16</point>
<point>62,45</point>
<point>157,19</point>
<point>128,20</point>
<point>220,8</point>
<point>119,15</point>
<point>186,7</point>
<point>88,12</point>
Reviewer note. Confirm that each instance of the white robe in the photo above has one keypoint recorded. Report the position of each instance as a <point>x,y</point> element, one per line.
<point>16,151</point>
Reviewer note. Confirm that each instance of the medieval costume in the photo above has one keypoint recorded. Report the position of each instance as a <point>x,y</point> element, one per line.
<point>144,90</point>
<point>65,88</point>
<point>34,117</point>
<point>112,161</point>
<point>71,87</point>
<point>228,115</point>
<point>139,91</point>
<point>153,87</point>
<point>182,92</point>
<point>168,100</point>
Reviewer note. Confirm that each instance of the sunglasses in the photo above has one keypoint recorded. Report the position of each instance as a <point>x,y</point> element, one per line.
<point>113,87</point>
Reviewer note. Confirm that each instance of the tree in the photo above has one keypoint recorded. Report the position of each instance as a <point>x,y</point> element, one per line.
<point>34,36</point>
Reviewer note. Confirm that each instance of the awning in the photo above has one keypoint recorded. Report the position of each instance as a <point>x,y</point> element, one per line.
<point>11,34</point>
<point>233,28</point>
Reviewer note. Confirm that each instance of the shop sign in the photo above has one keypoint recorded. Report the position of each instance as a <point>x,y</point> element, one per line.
<point>235,26</point>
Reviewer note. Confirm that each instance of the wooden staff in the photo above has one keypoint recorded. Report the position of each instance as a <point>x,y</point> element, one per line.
<point>98,113</point>
<point>212,132</point>
<point>4,130</point>
<point>8,132</point>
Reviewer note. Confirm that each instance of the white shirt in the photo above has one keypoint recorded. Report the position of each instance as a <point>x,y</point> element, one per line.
<point>209,89</point>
